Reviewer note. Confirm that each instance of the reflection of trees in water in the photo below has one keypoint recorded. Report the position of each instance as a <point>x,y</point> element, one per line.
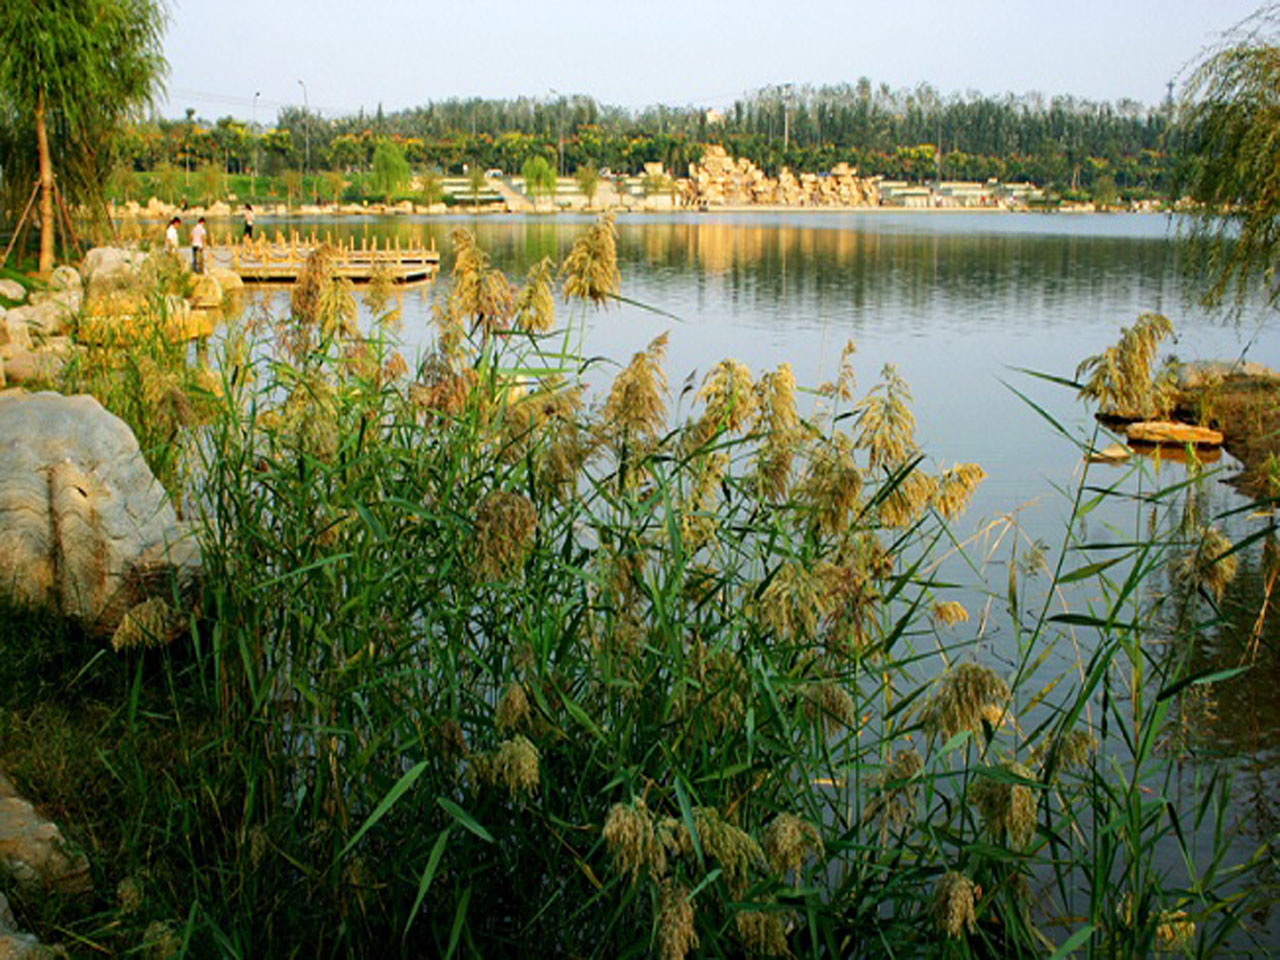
<point>819,268</point>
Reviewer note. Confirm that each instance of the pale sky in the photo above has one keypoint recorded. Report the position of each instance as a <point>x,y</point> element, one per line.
<point>400,53</point>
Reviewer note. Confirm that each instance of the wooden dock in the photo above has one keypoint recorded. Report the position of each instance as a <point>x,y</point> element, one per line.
<point>281,260</point>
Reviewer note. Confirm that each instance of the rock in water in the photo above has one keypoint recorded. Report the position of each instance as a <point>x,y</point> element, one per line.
<point>1166,431</point>
<point>85,528</point>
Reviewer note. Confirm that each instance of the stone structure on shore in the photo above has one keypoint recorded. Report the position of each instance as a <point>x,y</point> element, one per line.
<point>720,180</point>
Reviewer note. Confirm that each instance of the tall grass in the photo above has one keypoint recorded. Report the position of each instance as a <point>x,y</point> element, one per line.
<point>486,664</point>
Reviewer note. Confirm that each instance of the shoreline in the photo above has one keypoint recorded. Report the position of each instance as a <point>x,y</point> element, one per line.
<point>148,214</point>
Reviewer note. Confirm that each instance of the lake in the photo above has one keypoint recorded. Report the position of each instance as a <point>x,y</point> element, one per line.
<point>961,304</point>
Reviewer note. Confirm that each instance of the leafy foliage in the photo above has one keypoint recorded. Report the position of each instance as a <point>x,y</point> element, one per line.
<point>539,177</point>
<point>1231,125</point>
<point>390,168</point>
<point>88,66</point>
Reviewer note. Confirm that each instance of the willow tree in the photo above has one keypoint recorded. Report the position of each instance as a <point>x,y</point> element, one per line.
<point>539,177</point>
<point>72,72</point>
<point>390,168</point>
<point>1230,125</point>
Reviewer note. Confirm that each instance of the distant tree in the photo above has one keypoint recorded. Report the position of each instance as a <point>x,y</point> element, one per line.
<point>390,168</point>
<point>292,180</point>
<point>333,183</point>
<point>654,184</point>
<point>1230,120</point>
<point>72,72</point>
<point>1105,193</point>
<point>588,178</point>
<point>475,183</point>
<point>123,183</point>
<point>539,177</point>
<point>432,188</point>
<point>211,180</point>
<point>166,180</point>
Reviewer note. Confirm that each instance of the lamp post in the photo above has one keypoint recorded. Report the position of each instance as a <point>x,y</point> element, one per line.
<point>306,133</point>
<point>253,132</point>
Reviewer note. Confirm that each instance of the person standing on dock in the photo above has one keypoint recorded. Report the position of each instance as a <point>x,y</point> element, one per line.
<point>197,246</point>
<point>171,236</point>
<point>248,221</point>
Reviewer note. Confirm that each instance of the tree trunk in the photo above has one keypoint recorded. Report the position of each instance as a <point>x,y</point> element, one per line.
<point>46,190</point>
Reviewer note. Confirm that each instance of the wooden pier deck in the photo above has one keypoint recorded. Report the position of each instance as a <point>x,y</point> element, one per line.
<point>281,260</point>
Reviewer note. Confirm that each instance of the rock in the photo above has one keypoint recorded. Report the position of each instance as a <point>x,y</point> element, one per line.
<point>206,293</point>
<point>228,280</point>
<point>1113,453</point>
<point>32,366</point>
<point>65,296</point>
<point>13,331</point>
<point>113,280</point>
<point>1166,431</point>
<point>1204,373</point>
<point>109,269</point>
<point>32,849</point>
<point>43,319</point>
<point>14,944</point>
<point>85,528</point>
<point>218,209</point>
<point>13,290</point>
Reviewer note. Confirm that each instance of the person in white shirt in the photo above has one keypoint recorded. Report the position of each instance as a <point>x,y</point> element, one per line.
<point>197,246</point>
<point>171,236</point>
<point>248,221</point>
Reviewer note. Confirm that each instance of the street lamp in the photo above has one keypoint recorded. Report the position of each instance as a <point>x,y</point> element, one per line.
<point>253,132</point>
<point>306,132</point>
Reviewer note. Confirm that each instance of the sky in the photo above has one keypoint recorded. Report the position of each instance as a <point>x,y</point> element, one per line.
<point>353,54</point>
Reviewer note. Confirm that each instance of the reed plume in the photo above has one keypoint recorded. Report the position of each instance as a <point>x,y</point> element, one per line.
<point>636,409</point>
<point>590,271</point>
<point>1120,378</point>
<point>1008,809</point>
<point>965,697</point>
<point>954,901</point>
<point>535,303</point>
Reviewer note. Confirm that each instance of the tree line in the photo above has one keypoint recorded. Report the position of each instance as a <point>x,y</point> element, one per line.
<point>1062,142</point>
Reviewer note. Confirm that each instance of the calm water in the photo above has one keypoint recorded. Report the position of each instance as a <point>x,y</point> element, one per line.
<point>958,302</point>
<point>961,304</point>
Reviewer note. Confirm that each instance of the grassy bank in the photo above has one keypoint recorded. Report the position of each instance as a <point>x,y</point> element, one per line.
<point>482,662</point>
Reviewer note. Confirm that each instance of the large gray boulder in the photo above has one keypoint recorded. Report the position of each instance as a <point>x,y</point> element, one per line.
<point>12,290</point>
<point>85,528</point>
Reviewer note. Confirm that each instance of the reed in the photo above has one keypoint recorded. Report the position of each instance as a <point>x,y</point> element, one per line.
<point>480,663</point>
